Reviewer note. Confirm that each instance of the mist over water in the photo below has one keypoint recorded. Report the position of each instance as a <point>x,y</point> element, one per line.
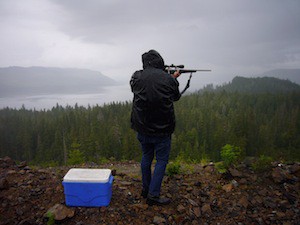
<point>111,94</point>
<point>116,93</point>
<point>120,93</point>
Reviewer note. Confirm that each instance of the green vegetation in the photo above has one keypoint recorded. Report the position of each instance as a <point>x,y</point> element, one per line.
<point>256,123</point>
<point>51,218</point>
<point>173,168</point>
<point>259,85</point>
<point>221,167</point>
<point>76,157</point>
<point>180,166</point>
<point>231,155</point>
<point>263,163</point>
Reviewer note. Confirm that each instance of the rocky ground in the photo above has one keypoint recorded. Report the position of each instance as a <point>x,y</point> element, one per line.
<point>200,196</point>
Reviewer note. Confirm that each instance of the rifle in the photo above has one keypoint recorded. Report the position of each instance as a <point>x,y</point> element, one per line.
<point>171,69</point>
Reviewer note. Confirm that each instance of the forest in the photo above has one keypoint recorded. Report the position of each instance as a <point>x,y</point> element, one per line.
<point>259,122</point>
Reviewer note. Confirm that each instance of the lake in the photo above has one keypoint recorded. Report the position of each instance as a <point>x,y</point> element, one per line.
<point>119,93</point>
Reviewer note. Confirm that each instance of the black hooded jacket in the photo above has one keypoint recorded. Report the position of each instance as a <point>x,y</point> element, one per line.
<point>154,93</point>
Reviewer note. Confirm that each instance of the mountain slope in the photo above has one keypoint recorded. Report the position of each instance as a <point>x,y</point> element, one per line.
<point>285,74</point>
<point>259,85</point>
<point>21,81</point>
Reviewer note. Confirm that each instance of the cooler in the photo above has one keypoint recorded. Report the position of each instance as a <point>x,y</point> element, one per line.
<point>88,187</point>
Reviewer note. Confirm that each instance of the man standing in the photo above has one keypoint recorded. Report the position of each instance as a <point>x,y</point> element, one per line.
<point>154,120</point>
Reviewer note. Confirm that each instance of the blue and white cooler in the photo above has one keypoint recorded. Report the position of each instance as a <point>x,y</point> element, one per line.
<point>88,187</point>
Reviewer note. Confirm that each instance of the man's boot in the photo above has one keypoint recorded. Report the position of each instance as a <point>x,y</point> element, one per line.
<point>156,200</point>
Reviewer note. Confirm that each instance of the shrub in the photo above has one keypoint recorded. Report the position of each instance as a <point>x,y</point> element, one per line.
<point>75,157</point>
<point>204,160</point>
<point>220,167</point>
<point>51,219</point>
<point>263,163</point>
<point>173,168</point>
<point>231,155</point>
<point>187,168</point>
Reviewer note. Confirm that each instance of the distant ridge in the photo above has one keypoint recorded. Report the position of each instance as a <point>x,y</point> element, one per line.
<point>26,81</point>
<point>285,74</point>
<point>259,85</point>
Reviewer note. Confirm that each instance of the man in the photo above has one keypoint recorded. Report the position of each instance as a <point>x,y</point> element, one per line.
<point>154,120</point>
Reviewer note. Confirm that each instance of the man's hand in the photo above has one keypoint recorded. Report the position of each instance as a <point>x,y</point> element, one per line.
<point>176,74</point>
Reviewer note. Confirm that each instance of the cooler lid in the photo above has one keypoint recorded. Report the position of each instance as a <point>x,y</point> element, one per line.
<point>87,175</point>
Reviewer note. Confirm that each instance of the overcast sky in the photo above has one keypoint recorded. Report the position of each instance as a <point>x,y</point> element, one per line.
<point>232,37</point>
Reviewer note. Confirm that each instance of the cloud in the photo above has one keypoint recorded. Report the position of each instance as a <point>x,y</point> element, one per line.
<point>230,37</point>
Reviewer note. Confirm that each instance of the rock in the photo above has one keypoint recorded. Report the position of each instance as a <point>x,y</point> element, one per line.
<point>234,172</point>
<point>26,222</point>
<point>198,184</point>
<point>158,220</point>
<point>263,192</point>
<point>253,177</point>
<point>181,209</point>
<point>244,202</point>
<point>179,219</point>
<point>280,214</point>
<point>60,212</point>
<point>294,168</point>
<point>290,197</point>
<point>20,199</point>
<point>197,211</point>
<point>209,169</point>
<point>243,181</point>
<point>140,206</point>
<point>227,187</point>
<point>280,175</point>
<point>26,168</point>
<point>9,172</point>
<point>125,183</point>
<point>269,203</point>
<point>286,223</point>
<point>195,222</point>
<point>192,202</point>
<point>257,200</point>
<point>206,209</point>
<point>22,164</point>
<point>19,212</point>
<point>42,177</point>
<point>189,189</point>
<point>22,172</point>
<point>6,162</point>
<point>235,183</point>
<point>4,185</point>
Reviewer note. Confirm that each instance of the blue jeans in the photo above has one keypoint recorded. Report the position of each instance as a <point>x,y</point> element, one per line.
<point>161,147</point>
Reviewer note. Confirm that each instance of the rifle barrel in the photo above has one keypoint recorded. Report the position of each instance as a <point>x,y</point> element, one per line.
<point>187,71</point>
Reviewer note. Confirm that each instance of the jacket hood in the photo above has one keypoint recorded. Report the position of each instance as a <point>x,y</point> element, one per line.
<point>153,59</point>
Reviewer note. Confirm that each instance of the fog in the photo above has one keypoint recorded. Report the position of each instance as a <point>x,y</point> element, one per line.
<point>111,94</point>
<point>230,37</point>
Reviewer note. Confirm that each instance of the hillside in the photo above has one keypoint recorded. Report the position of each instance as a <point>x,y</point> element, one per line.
<point>21,81</point>
<point>259,85</point>
<point>199,196</point>
<point>205,122</point>
<point>284,74</point>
